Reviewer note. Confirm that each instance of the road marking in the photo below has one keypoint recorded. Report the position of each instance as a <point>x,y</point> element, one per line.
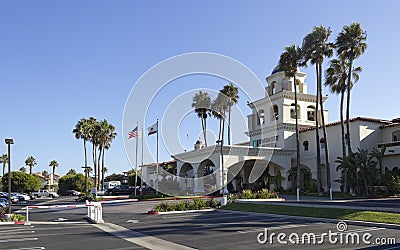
<point>132,221</point>
<point>29,248</point>
<point>15,240</point>
<point>18,232</point>
<point>140,239</point>
<point>278,227</point>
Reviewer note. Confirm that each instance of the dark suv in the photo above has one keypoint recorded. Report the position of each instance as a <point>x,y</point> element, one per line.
<point>117,190</point>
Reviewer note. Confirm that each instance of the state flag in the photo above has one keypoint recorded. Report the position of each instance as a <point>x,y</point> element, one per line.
<point>152,129</point>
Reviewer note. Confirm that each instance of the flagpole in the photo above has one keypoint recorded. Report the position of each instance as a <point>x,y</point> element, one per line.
<point>141,172</point>
<point>157,159</point>
<point>137,144</point>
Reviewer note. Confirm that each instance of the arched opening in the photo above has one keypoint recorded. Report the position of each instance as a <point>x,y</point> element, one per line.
<point>311,113</point>
<point>206,169</point>
<point>274,113</point>
<point>396,135</point>
<point>273,88</point>
<point>305,144</point>
<point>261,115</point>
<point>293,111</point>
<point>306,181</point>
<point>187,173</point>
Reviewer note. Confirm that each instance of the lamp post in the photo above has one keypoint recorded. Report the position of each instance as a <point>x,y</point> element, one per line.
<point>223,199</point>
<point>9,142</point>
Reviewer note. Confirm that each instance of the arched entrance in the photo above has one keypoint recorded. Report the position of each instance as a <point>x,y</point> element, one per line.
<point>207,177</point>
<point>306,182</point>
<point>187,174</point>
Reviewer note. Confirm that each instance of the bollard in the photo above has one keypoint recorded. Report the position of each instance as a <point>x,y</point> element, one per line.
<point>27,223</point>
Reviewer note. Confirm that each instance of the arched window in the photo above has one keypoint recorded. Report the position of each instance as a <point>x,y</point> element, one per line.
<point>273,88</point>
<point>261,117</point>
<point>311,113</point>
<point>305,144</point>
<point>274,113</point>
<point>293,111</point>
<point>396,135</point>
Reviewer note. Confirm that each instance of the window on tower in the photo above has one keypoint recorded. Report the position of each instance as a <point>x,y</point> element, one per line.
<point>293,111</point>
<point>311,113</point>
<point>274,113</point>
<point>305,144</point>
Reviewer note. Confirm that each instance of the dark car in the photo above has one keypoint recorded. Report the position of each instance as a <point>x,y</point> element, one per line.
<point>67,192</point>
<point>120,190</point>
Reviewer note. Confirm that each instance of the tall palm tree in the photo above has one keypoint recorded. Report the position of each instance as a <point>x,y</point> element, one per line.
<point>288,62</point>
<point>232,93</point>
<point>335,79</point>
<point>201,104</point>
<point>218,110</point>
<point>81,131</point>
<point>350,44</point>
<point>315,49</point>
<point>53,164</point>
<point>106,135</point>
<point>4,160</point>
<point>93,131</point>
<point>30,162</point>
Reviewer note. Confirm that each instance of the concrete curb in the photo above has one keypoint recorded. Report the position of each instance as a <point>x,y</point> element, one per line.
<point>12,223</point>
<point>260,200</point>
<point>182,212</point>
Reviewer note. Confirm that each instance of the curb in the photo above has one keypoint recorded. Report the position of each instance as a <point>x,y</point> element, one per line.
<point>181,212</point>
<point>260,200</point>
<point>12,223</point>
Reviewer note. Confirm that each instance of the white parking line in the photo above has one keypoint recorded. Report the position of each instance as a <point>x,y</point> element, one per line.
<point>16,240</point>
<point>279,227</point>
<point>140,239</point>
<point>29,248</point>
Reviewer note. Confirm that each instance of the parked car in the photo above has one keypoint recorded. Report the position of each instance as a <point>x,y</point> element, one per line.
<point>4,201</point>
<point>46,193</point>
<point>68,192</point>
<point>120,190</point>
<point>14,199</point>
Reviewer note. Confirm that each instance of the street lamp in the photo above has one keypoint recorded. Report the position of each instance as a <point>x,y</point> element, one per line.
<point>9,142</point>
<point>223,200</point>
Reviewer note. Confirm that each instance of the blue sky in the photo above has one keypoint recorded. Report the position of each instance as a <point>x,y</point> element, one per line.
<point>64,60</point>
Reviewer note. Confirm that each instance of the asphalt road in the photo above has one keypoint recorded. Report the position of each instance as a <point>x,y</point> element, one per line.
<point>129,227</point>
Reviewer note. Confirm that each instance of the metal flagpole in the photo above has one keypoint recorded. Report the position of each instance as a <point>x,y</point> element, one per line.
<point>141,171</point>
<point>157,160</point>
<point>137,143</point>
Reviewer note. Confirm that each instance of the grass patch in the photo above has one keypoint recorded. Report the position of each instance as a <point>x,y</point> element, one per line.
<point>333,213</point>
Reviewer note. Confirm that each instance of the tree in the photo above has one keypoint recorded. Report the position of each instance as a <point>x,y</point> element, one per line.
<point>4,160</point>
<point>53,164</point>
<point>201,104</point>
<point>82,131</point>
<point>315,48</point>
<point>30,162</point>
<point>21,182</point>
<point>22,169</point>
<point>218,110</point>
<point>289,61</point>
<point>106,135</point>
<point>73,182</point>
<point>350,44</point>
<point>231,92</point>
<point>335,79</point>
<point>71,172</point>
<point>378,155</point>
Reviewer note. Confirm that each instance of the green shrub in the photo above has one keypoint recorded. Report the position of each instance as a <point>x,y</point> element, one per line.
<point>199,203</point>
<point>212,203</point>
<point>17,218</point>
<point>394,185</point>
<point>247,194</point>
<point>180,206</point>
<point>3,211</point>
<point>162,207</point>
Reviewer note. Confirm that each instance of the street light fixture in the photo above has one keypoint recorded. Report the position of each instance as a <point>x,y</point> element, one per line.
<point>9,142</point>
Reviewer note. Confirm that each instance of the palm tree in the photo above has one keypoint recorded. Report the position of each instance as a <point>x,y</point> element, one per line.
<point>22,169</point>
<point>81,131</point>
<point>30,161</point>
<point>315,49</point>
<point>288,62</point>
<point>53,164</point>
<point>231,92</point>
<point>350,44</point>
<point>71,172</point>
<point>335,79</point>
<point>4,160</point>
<point>93,130</point>
<point>218,110</point>
<point>378,155</point>
<point>201,104</point>
<point>105,136</point>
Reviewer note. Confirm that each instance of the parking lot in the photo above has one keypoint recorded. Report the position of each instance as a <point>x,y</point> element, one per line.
<point>128,226</point>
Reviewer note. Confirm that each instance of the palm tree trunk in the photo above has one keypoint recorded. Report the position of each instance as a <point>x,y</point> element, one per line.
<point>84,149</point>
<point>205,130</point>
<point>297,135</point>
<point>4,168</point>
<point>102,170</point>
<point>327,164</point>
<point>319,184</point>
<point>343,138</point>
<point>94,164</point>
<point>203,127</point>
<point>348,109</point>
<point>229,126</point>
<point>98,167</point>
<point>30,170</point>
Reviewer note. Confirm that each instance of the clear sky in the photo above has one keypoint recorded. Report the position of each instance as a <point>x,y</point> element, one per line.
<point>64,60</point>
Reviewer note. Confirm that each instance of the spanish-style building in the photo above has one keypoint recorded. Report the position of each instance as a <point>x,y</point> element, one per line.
<point>267,159</point>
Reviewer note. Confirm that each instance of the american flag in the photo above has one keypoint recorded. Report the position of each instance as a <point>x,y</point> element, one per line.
<point>133,133</point>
